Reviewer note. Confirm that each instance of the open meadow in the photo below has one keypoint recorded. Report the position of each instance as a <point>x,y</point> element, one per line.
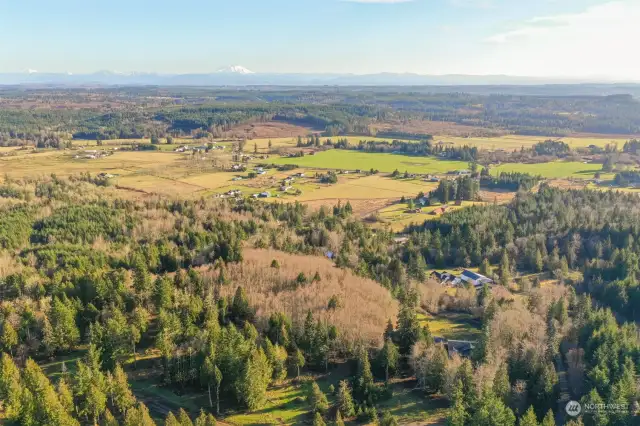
<point>514,142</point>
<point>353,160</point>
<point>556,169</point>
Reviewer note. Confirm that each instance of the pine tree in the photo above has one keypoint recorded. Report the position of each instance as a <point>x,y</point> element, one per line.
<point>549,420</point>
<point>256,378</point>
<point>240,310</point>
<point>63,322</point>
<point>338,421</point>
<point>457,413</point>
<point>142,283</point>
<point>217,380</point>
<point>183,418</point>
<point>298,361</point>
<point>408,329</point>
<point>388,420</point>
<point>10,387</point>
<point>345,400</point>
<point>139,416</point>
<point>42,405</point>
<point>599,417</point>
<point>501,385</point>
<point>363,380</point>
<point>123,398</point>
<point>529,418</point>
<point>8,338</point>
<point>66,396</point>
<point>171,420</point>
<point>317,420</point>
<point>388,331</point>
<point>388,358</point>
<point>505,270</point>
<point>108,419</point>
<point>492,412</point>
<point>539,262</point>
<point>205,419</point>
<point>317,399</point>
<point>485,268</point>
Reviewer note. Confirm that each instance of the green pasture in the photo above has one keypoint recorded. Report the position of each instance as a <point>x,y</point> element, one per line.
<point>556,169</point>
<point>352,160</point>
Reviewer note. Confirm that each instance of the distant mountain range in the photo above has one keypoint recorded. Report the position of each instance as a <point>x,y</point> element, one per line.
<point>237,75</point>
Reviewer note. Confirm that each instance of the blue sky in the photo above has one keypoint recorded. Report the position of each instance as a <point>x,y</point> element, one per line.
<point>516,37</point>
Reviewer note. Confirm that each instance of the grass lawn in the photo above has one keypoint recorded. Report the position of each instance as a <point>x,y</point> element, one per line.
<point>351,160</point>
<point>556,169</point>
<point>452,325</point>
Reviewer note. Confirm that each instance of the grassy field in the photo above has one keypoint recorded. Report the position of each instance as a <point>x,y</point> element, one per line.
<point>398,217</point>
<point>452,325</point>
<point>556,169</point>
<point>512,142</point>
<point>352,160</point>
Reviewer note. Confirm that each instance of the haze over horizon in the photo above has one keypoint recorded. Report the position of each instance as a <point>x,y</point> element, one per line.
<point>582,39</point>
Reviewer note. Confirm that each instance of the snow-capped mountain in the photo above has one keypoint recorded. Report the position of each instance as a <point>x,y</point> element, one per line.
<point>235,69</point>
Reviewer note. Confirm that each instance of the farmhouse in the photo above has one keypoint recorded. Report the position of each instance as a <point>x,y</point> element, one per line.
<point>439,210</point>
<point>443,277</point>
<point>461,347</point>
<point>477,280</point>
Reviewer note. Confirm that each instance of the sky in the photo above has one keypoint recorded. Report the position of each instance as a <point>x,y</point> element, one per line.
<point>545,38</point>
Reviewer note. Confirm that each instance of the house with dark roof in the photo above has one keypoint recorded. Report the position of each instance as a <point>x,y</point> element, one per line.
<point>463,348</point>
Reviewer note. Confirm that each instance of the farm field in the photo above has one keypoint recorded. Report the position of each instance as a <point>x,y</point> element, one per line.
<point>512,142</point>
<point>351,160</point>
<point>399,218</point>
<point>63,164</point>
<point>556,169</point>
<point>263,143</point>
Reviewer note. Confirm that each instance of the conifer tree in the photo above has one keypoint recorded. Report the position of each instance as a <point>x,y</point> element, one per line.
<point>345,400</point>
<point>318,421</point>
<point>256,378</point>
<point>317,399</point>
<point>183,418</point>
<point>549,420</point>
<point>457,413</point>
<point>529,418</point>
<point>205,419</point>
<point>388,358</point>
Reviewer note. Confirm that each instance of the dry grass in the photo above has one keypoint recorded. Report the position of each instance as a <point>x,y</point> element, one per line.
<point>364,309</point>
<point>271,129</point>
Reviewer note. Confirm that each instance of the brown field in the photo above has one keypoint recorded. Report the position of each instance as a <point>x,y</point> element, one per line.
<point>271,129</point>
<point>361,208</point>
<point>500,197</point>
<point>365,306</point>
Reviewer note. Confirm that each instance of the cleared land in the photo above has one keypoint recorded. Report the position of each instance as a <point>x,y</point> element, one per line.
<point>512,142</point>
<point>352,160</point>
<point>556,169</point>
<point>398,216</point>
<point>452,325</point>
